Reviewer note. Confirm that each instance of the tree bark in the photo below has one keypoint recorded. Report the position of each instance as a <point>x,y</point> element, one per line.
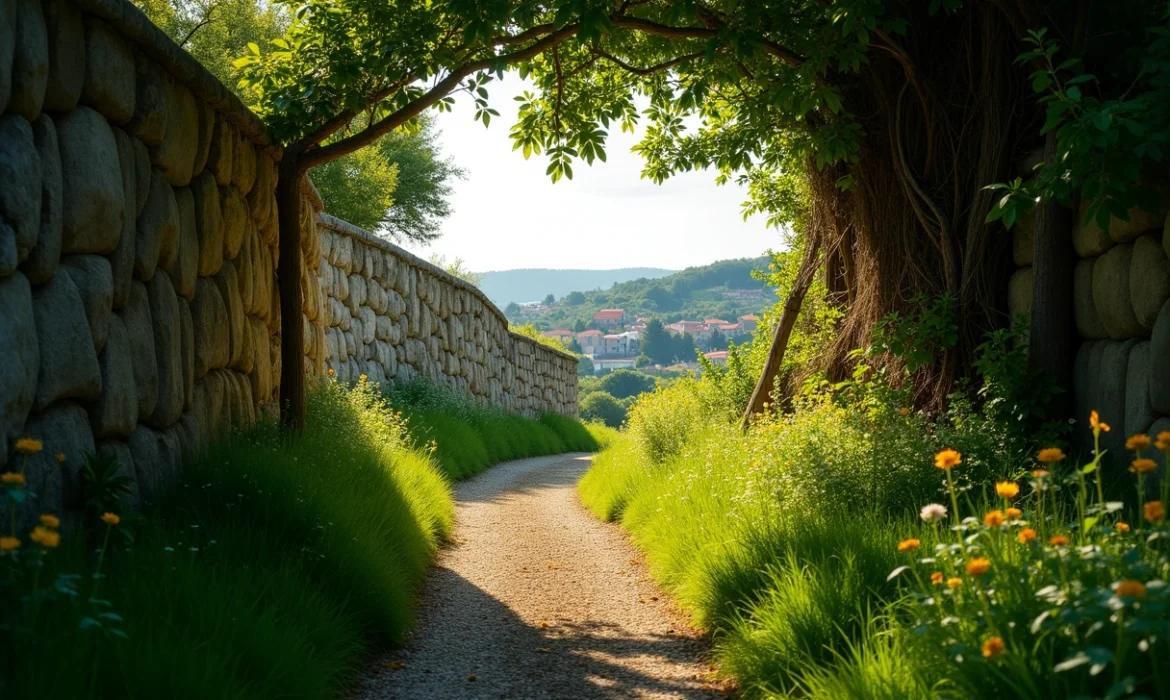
<point>288,277</point>
<point>1050,341</point>
<point>804,278</point>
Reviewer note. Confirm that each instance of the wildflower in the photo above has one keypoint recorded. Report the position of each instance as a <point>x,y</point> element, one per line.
<point>1039,473</point>
<point>1154,512</point>
<point>936,578</point>
<point>45,537</point>
<point>1097,425</point>
<point>60,458</point>
<point>331,372</point>
<point>993,647</point>
<point>1058,540</point>
<point>1143,465</point>
<point>1014,513</point>
<point>1131,589</point>
<point>1162,442</point>
<point>29,446</point>
<point>362,378</point>
<point>50,520</point>
<point>1026,535</point>
<point>908,544</point>
<point>993,519</point>
<point>12,479</point>
<point>1122,527</point>
<point>7,544</point>
<point>1050,455</point>
<point>948,458</point>
<point>110,518</point>
<point>978,567</point>
<point>954,582</point>
<point>933,512</point>
<point>904,411</point>
<point>1137,443</point>
<point>1007,489</point>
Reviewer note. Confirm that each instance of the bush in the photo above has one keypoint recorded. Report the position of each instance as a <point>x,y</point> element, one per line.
<point>603,408</point>
<point>624,383</point>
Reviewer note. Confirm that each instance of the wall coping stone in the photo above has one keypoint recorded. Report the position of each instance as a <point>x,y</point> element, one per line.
<point>345,228</point>
<point>132,24</point>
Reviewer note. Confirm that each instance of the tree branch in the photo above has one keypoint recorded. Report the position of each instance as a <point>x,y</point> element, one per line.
<point>665,65</point>
<point>647,27</point>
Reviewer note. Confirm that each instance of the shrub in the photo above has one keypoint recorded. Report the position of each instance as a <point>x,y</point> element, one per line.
<point>603,408</point>
<point>624,383</point>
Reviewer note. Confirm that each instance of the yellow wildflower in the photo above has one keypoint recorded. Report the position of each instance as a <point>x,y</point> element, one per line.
<point>954,582</point>
<point>50,520</point>
<point>948,458</point>
<point>936,578</point>
<point>993,647</point>
<point>1097,424</point>
<point>110,518</point>
<point>331,372</point>
<point>1137,443</point>
<point>1026,535</point>
<point>45,537</point>
<point>908,544</point>
<point>1050,455</point>
<point>1122,527</point>
<point>29,446</point>
<point>361,377</point>
<point>1039,473</point>
<point>904,411</point>
<point>7,544</point>
<point>1014,513</point>
<point>1162,442</point>
<point>1007,489</point>
<point>12,479</point>
<point>1143,465</point>
<point>978,567</point>
<point>1154,511</point>
<point>1131,589</point>
<point>1058,540</point>
<point>993,519</point>
<point>60,458</point>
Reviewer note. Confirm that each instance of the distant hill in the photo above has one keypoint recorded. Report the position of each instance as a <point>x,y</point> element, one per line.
<point>535,284</point>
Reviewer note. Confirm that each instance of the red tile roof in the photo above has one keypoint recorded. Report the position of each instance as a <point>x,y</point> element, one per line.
<point>609,314</point>
<point>589,332</point>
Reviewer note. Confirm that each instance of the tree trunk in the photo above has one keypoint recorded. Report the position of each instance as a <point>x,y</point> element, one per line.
<point>1050,342</point>
<point>804,278</point>
<point>288,277</point>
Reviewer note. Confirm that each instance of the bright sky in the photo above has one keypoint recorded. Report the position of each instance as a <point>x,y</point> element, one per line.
<point>508,214</point>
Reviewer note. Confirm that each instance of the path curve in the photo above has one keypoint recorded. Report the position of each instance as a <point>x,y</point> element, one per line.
<point>536,598</point>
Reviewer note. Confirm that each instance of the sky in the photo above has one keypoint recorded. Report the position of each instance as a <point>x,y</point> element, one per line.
<point>508,214</point>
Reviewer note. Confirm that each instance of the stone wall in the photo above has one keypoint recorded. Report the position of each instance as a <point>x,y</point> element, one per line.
<point>382,312</point>
<point>1122,310</point>
<point>139,314</point>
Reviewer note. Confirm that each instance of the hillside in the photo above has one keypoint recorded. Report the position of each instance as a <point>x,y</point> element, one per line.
<point>520,286</point>
<point>724,289</point>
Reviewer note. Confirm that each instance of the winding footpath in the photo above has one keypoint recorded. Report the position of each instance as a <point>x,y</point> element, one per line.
<point>536,598</point>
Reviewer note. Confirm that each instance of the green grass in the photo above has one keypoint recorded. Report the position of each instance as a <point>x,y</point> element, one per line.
<point>273,569</point>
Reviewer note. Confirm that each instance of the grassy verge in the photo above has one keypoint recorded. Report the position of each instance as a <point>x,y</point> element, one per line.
<point>273,569</point>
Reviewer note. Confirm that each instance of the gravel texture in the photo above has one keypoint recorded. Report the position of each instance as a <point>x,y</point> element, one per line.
<point>536,598</point>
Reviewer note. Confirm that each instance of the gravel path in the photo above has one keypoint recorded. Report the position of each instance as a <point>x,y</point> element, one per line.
<point>539,599</point>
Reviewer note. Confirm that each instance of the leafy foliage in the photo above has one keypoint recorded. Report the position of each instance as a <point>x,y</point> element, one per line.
<point>358,187</point>
<point>602,407</point>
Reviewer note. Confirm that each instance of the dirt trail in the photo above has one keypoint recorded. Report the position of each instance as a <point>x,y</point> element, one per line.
<point>538,599</point>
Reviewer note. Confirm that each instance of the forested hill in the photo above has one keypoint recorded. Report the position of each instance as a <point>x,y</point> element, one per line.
<point>724,289</point>
<point>521,286</point>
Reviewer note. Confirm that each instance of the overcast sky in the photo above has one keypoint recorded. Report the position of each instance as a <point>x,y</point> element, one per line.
<point>508,214</point>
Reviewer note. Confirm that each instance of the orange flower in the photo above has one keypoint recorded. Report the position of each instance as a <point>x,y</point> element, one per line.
<point>948,458</point>
<point>1154,511</point>
<point>1143,465</point>
<point>1058,540</point>
<point>993,647</point>
<point>29,446</point>
<point>936,578</point>
<point>1007,489</point>
<point>978,567</point>
<point>45,537</point>
<point>993,519</point>
<point>954,582</point>
<point>1026,535</point>
<point>111,518</point>
<point>1097,425</point>
<point>1039,473</point>
<point>904,411</point>
<point>1137,443</point>
<point>60,458</point>
<point>1162,441</point>
<point>1014,513</point>
<point>7,544</point>
<point>1131,589</point>
<point>908,544</point>
<point>50,520</point>
<point>12,479</point>
<point>1122,527</point>
<point>1050,455</point>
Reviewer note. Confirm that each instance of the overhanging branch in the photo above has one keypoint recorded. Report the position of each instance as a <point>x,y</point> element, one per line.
<point>648,70</point>
<point>647,27</point>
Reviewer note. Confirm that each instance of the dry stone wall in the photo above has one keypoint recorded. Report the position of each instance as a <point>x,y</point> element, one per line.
<point>384,313</point>
<point>139,314</point>
<point>1122,312</point>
